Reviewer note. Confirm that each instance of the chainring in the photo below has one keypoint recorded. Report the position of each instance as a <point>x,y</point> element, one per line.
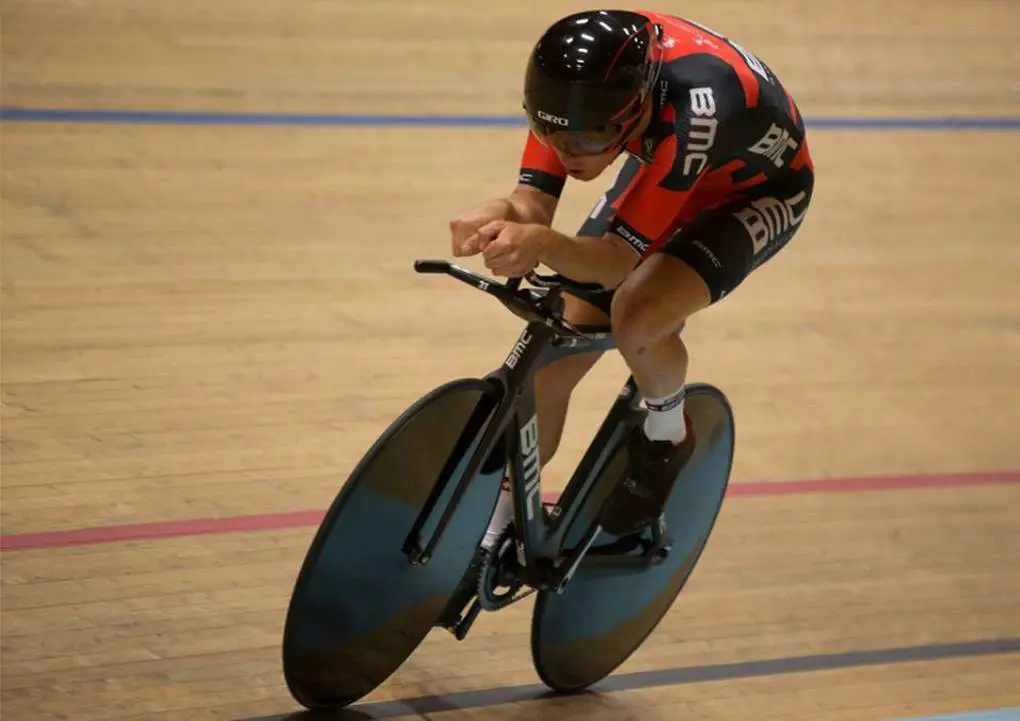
<point>498,583</point>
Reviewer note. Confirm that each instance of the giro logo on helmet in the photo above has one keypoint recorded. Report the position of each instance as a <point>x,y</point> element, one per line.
<point>549,118</point>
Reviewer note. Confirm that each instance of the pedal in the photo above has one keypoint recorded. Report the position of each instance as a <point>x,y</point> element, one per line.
<point>460,630</point>
<point>658,550</point>
<point>622,546</point>
<point>458,621</point>
<point>621,552</point>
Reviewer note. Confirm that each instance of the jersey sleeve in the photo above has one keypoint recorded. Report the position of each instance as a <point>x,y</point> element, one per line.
<point>649,208</point>
<point>541,168</point>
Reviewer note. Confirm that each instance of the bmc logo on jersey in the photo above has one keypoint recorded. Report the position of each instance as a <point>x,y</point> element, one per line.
<point>638,244</point>
<point>767,218</point>
<point>774,145</point>
<point>701,136</point>
<point>549,118</point>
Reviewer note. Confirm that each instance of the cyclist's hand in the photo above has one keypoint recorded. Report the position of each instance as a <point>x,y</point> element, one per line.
<point>466,240</point>
<point>513,249</point>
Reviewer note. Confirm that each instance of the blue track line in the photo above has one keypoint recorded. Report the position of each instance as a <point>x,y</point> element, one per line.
<point>1002,714</point>
<point>158,117</point>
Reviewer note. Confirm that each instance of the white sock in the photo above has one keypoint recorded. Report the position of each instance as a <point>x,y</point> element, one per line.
<point>501,518</point>
<point>665,419</point>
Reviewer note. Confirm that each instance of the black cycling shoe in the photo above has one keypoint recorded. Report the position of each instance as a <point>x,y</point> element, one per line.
<point>652,469</point>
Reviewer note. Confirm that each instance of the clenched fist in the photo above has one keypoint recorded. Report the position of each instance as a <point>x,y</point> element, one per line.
<point>465,236</point>
<point>512,249</point>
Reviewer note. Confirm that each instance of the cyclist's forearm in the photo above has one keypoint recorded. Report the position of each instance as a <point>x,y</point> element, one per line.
<point>606,260</point>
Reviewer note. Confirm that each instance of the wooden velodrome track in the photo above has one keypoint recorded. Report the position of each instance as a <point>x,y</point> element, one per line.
<point>205,324</point>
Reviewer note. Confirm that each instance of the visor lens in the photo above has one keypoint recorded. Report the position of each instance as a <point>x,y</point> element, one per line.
<point>578,143</point>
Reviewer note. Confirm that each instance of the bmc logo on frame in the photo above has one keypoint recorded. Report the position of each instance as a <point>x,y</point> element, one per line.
<point>550,118</point>
<point>532,466</point>
<point>518,350</point>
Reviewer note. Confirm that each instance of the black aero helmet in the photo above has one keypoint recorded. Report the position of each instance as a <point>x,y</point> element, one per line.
<point>591,72</point>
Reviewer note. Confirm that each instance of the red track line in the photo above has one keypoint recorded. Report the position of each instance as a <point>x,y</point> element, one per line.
<point>297,519</point>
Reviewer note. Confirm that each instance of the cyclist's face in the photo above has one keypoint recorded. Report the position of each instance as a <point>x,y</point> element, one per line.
<point>585,155</point>
<point>586,167</point>
<point>584,144</point>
